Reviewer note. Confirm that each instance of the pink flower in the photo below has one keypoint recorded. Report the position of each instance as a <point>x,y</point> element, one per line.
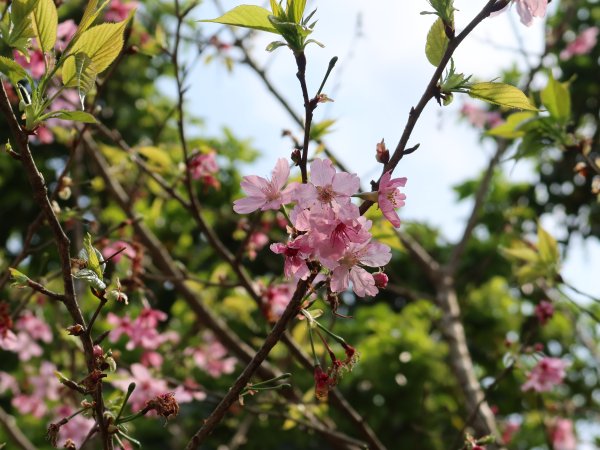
<point>296,253</point>
<point>582,44</point>
<point>33,326</point>
<point>142,331</point>
<point>562,435</point>
<point>275,300</point>
<point>212,357</point>
<point>75,429</point>
<point>544,311</point>
<point>265,194</point>
<point>327,187</point>
<point>256,243</point>
<point>64,33</point>
<point>480,117</point>
<point>118,10</point>
<point>43,388</point>
<point>36,64</point>
<point>114,247</point>
<point>8,383</point>
<point>347,269</point>
<point>548,373</point>
<point>203,166</point>
<point>390,198</point>
<point>510,428</point>
<point>146,386</point>
<point>151,359</point>
<point>528,9</point>
<point>189,390</point>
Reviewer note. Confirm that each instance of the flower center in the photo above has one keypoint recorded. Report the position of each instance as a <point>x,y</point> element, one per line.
<point>325,193</point>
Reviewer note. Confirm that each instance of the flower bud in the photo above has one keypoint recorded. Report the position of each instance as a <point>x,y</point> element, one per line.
<point>75,330</point>
<point>381,280</point>
<point>382,154</point>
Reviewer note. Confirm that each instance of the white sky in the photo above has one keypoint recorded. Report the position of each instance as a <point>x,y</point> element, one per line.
<point>380,77</point>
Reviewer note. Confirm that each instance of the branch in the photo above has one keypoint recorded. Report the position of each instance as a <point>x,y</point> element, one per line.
<point>274,336</point>
<point>429,93</point>
<point>15,433</point>
<point>40,194</point>
<point>484,186</point>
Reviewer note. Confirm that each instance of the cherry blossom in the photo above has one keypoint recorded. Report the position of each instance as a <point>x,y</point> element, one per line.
<point>265,194</point>
<point>480,117</point>
<point>275,299</point>
<point>544,311</point>
<point>390,198</point>
<point>562,435</point>
<point>64,33</point>
<point>142,331</point>
<point>327,187</point>
<point>36,64</point>
<point>528,9</point>
<point>548,373</point>
<point>347,268</point>
<point>203,167</point>
<point>212,357</point>
<point>112,249</point>
<point>42,388</point>
<point>119,10</point>
<point>582,44</point>
<point>296,253</point>
<point>76,429</point>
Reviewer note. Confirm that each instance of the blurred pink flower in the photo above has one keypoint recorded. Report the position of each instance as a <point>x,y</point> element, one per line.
<point>548,373</point>
<point>212,357</point>
<point>275,300</point>
<point>8,383</point>
<point>582,44</point>
<point>510,428</point>
<point>480,117</point>
<point>528,9</point>
<point>544,311</point>
<point>35,327</point>
<point>562,435</point>
<point>112,248</point>
<point>265,194</point>
<point>119,10</point>
<point>64,33</point>
<point>390,198</point>
<point>42,388</point>
<point>146,386</point>
<point>75,429</point>
<point>36,64</point>
<point>189,390</point>
<point>142,331</point>
<point>203,166</point>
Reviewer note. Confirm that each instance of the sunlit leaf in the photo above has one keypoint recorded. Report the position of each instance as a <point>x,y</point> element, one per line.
<point>437,42</point>
<point>12,70</point>
<point>501,94</point>
<point>556,97</point>
<point>45,23</point>
<point>247,16</point>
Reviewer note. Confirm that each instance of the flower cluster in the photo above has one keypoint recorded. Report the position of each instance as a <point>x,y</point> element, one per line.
<point>548,373</point>
<point>326,227</point>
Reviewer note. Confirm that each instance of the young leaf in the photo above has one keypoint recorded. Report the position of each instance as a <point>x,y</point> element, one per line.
<point>45,23</point>
<point>501,94</point>
<point>93,256</point>
<point>20,280</point>
<point>101,45</point>
<point>298,8</point>
<point>247,16</point>
<point>437,42</point>
<point>77,116</point>
<point>22,28</point>
<point>91,13</point>
<point>12,70</point>
<point>511,129</point>
<point>548,247</point>
<point>90,277</point>
<point>557,99</point>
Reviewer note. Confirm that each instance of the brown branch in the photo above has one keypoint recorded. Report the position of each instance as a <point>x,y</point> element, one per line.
<point>274,336</point>
<point>429,94</point>
<point>40,194</point>
<point>18,437</point>
<point>42,290</point>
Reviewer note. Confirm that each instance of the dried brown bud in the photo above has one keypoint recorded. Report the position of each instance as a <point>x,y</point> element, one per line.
<point>69,445</point>
<point>75,330</point>
<point>52,434</point>
<point>165,405</point>
<point>382,154</point>
<point>296,156</point>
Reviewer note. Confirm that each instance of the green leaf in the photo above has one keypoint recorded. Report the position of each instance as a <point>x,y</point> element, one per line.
<point>157,157</point>
<point>275,45</point>
<point>511,129</point>
<point>101,45</point>
<point>320,129</point>
<point>548,247</point>
<point>557,99</point>
<point>12,70</point>
<point>520,252</point>
<point>91,13</point>
<point>247,16</point>
<point>20,280</point>
<point>501,94</point>
<point>92,256</point>
<point>76,116</point>
<point>45,23</point>
<point>22,28</point>
<point>437,42</point>
<point>86,73</point>
<point>90,277</point>
<point>298,8</point>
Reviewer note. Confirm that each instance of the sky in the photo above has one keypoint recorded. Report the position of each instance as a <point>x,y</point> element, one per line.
<point>382,72</point>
